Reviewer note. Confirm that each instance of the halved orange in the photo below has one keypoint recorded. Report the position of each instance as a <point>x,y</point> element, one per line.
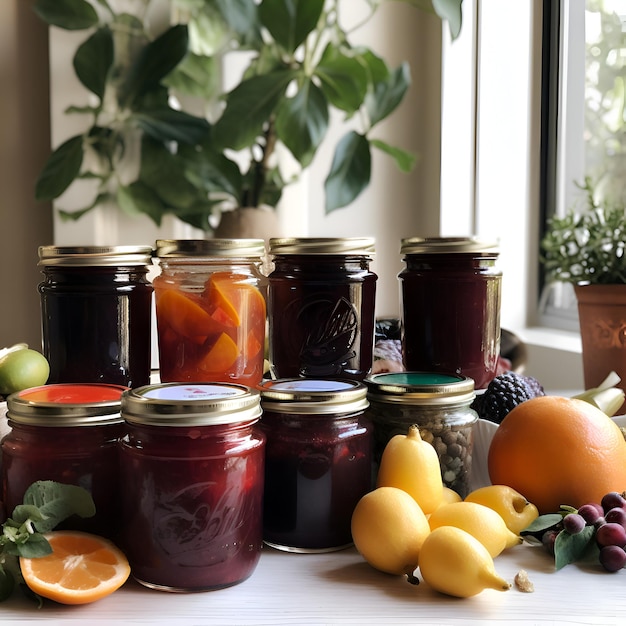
<point>81,569</point>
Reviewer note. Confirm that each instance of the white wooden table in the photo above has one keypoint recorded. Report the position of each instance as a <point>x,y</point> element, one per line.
<point>340,588</point>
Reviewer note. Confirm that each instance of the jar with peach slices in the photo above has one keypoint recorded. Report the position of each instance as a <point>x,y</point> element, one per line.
<point>210,310</point>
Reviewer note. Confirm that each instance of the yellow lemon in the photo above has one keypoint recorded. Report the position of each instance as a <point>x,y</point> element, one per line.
<point>516,511</point>
<point>411,464</point>
<point>449,495</point>
<point>388,529</point>
<point>457,564</point>
<point>479,521</point>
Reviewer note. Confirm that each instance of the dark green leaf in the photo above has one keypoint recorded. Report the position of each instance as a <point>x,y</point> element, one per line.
<point>60,170</point>
<point>93,61</point>
<point>138,198</point>
<point>155,61</point>
<point>376,68</point>
<point>197,215</point>
<point>543,522</point>
<point>196,76</point>
<point>388,94</point>
<point>23,512</point>
<point>36,546</point>
<point>67,14</point>
<point>350,171</point>
<point>302,121</point>
<point>404,160</point>
<point>7,584</point>
<point>249,108</point>
<point>57,502</point>
<point>172,125</point>
<point>570,548</point>
<point>290,21</point>
<point>343,79</point>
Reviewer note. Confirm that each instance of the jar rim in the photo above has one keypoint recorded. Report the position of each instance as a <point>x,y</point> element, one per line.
<point>322,245</point>
<point>313,396</point>
<point>191,404</point>
<point>447,245</point>
<point>196,248</point>
<point>94,256</point>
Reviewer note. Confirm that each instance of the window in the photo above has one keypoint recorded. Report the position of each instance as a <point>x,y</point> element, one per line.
<point>584,119</point>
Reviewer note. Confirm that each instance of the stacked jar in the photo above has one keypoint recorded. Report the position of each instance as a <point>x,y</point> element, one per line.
<point>210,310</point>
<point>321,307</point>
<point>96,313</point>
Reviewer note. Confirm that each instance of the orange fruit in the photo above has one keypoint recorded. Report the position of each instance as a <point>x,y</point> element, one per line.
<point>82,568</point>
<point>558,450</point>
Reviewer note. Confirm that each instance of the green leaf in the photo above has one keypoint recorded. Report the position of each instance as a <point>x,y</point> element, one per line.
<point>155,61</point>
<point>388,94</point>
<point>172,125</point>
<point>67,14</point>
<point>543,522</point>
<point>302,122</point>
<point>343,79</point>
<point>570,548</point>
<point>290,21</point>
<point>248,108</point>
<point>93,61</point>
<point>242,17</point>
<point>375,66</point>
<point>60,170</point>
<point>36,546</point>
<point>195,75</point>
<point>404,160</point>
<point>138,198</point>
<point>350,171</point>
<point>7,584</point>
<point>57,502</point>
<point>451,11</point>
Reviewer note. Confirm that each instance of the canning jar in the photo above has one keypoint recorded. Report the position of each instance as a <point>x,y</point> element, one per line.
<point>318,461</point>
<point>67,433</point>
<point>96,308</point>
<point>210,310</point>
<point>321,308</point>
<point>450,291</point>
<point>439,404</point>
<point>192,484</point>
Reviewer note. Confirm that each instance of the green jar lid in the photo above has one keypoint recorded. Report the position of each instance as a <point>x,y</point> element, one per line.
<point>424,388</point>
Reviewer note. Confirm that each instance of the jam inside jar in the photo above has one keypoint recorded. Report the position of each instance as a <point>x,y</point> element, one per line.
<point>318,462</point>
<point>192,469</point>
<point>321,308</point>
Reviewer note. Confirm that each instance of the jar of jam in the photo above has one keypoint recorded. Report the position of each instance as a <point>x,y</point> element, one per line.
<point>450,291</point>
<point>192,484</point>
<point>318,461</point>
<point>67,433</point>
<point>439,404</point>
<point>96,308</point>
<point>210,310</point>
<point>321,308</point>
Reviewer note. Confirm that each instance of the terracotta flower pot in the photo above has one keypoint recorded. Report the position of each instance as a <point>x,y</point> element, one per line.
<point>246,222</point>
<point>602,317</point>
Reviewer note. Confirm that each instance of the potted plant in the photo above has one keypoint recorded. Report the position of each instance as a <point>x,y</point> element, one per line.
<point>302,66</point>
<point>588,250</point>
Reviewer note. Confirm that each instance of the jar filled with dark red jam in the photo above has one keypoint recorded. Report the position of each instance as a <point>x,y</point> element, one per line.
<point>67,433</point>
<point>96,308</point>
<point>450,292</point>
<point>210,310</point>
<point>318,461</point>
<point>192,476</point>
<point>321,308</point>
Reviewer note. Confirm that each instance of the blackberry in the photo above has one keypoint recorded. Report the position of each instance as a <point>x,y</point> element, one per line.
<point>504,393</point>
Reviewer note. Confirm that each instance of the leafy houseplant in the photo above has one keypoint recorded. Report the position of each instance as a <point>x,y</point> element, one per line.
<point>587,249</point>
<point>302,67</point>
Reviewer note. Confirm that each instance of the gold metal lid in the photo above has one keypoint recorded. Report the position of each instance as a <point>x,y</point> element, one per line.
<point>447,245</point>
<point>66,404</point>
<point>191,404</point>
<point>313,396</point>
<point>423,388</point>
<point>230,248</point>
<point>323,245</point>
<point>94,256</point>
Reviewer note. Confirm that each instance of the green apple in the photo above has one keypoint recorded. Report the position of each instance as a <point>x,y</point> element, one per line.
<point>21,369</point>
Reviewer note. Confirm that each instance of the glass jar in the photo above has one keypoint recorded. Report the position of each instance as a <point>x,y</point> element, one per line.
<point>210,310</point>
<point>439,405</point>
<point>321,308</point>
<point>450,292</point>
<point>318,462</point>
<point>67,433</point>
<point>192,485</point>
<point>96,313</point>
